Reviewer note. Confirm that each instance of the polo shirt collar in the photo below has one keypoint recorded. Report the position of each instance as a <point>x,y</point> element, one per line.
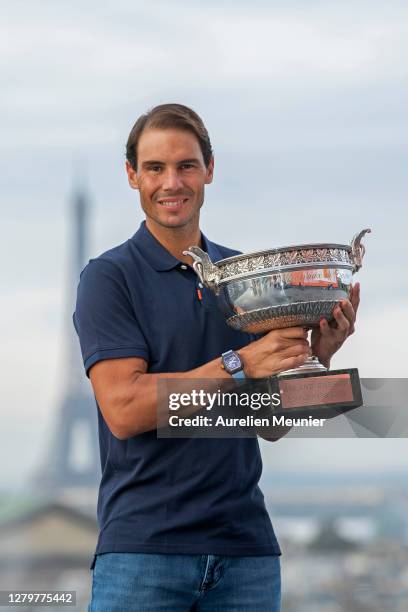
<point>158,257</point>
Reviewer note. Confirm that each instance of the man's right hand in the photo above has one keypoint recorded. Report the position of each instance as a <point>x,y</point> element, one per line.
<point>279,350</point>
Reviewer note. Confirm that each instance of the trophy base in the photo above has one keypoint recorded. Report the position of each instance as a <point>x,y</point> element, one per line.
<point>318,393</point>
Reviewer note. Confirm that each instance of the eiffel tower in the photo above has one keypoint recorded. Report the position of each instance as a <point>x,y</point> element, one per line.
<point>72,470</point>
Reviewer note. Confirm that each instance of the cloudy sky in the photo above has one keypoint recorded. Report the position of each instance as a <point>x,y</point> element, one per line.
<point>306,106</point>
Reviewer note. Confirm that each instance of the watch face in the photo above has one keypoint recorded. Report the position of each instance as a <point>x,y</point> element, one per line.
<point>232,362</point>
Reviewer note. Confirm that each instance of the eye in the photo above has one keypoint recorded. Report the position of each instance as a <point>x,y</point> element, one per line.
<point>155,169</point>
<point>187,166</point>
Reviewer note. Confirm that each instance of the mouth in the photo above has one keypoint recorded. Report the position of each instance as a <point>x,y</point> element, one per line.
<point>172,202</point>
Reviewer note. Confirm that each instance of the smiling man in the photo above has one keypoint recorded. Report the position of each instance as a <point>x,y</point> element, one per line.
<point>183,525</point>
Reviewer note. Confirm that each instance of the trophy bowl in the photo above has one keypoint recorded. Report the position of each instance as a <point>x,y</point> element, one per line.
<point>282,287</point>
<point>286,287</point>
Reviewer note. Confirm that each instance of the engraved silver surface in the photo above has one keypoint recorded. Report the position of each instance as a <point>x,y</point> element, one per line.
<point>277,317</point>
<point>284,287</point>
<point>242,265</point>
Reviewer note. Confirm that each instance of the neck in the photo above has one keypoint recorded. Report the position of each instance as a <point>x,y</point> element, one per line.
<point>176,239</point>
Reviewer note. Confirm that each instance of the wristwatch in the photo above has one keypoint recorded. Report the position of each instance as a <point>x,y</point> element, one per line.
<point>232,363</point>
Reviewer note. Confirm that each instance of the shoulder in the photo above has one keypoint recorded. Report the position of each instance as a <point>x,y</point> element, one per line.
<point>112,262</point>
<point>222,251</point>
<point>117,256</point>
<point>103,284</point>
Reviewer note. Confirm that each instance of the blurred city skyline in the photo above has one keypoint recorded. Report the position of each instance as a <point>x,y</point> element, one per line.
<point>306,108</point>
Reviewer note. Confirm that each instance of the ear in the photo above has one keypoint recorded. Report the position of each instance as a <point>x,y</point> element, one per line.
<point>132,176</point>
<point>210,172</point>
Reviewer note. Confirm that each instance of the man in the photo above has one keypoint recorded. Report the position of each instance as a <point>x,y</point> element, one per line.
<point>183,525</point>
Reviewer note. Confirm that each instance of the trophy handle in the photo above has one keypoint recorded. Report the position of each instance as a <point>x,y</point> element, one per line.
<point>358,249</point>
<point>208,273</point>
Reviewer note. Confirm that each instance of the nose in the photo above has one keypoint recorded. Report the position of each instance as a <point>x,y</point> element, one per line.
<point>171,180</point>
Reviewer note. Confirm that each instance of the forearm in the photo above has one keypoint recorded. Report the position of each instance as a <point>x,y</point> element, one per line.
<point>139,405</point>
<point>147,409</point>
<point>128,396</point>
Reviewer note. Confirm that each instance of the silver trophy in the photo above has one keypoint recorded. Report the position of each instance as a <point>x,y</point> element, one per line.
<point>285,287</point>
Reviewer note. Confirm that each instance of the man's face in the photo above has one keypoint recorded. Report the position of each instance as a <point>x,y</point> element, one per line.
<point>170,177</point>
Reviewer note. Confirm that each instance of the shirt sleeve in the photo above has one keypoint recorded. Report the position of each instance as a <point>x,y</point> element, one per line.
<point>104,318</point>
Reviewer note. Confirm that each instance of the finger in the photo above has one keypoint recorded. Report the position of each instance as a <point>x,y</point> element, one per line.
<point>343,324</point>
<point>350,315</point>
<point>325,328</point>
<point>355,297</point>
<point>292,362</point>
<point>348,311</point>
<point>293,332</point>
<point>276,342</point>
<point>297,349</point>
<point>290,342</point>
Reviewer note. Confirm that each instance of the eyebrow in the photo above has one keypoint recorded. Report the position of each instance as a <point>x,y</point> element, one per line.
<point>193,160</point>
<point>152,162</point>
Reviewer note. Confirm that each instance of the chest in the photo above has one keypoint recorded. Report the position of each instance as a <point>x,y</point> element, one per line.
<point>181,321</point>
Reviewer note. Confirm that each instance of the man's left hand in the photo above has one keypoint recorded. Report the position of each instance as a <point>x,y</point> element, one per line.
<point>328,337</point>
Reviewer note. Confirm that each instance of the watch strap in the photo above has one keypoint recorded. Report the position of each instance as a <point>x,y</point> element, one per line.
<point>239,374</point>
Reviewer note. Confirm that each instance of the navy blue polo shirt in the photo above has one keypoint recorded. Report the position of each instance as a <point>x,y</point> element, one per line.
<point>161,495</point>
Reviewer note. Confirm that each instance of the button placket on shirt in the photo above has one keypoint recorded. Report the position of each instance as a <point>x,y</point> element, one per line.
<point>204,295</point>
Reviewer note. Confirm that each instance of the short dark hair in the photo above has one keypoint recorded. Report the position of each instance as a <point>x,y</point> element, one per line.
<point>167,116</point>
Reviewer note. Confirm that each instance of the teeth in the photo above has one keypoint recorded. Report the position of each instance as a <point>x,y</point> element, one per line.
<point>171,204</point>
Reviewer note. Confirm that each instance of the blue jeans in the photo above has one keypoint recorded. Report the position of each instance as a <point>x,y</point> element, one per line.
<point>123,582</point>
